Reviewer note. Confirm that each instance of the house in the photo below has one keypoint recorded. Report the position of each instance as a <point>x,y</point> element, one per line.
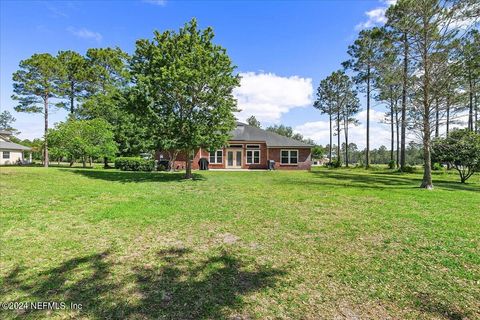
<point>10,152</point>
<point>250,148</point>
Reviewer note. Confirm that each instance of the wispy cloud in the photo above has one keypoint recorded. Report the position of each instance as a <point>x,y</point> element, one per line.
<point>85,34</point>
<point>376,16</point>
<point>267,96</point>
<point>156,2</point>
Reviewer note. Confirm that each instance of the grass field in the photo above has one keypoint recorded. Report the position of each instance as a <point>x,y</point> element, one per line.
<point>239,245</point>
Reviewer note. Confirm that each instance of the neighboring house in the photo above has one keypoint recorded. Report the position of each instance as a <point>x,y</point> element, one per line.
<point>250,148</point>
<point>10,152</point>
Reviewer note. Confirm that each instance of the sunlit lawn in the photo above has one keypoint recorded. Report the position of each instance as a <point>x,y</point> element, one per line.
<point>241,245</point>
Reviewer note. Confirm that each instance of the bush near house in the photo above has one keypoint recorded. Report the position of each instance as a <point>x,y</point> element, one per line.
<point>134,164</point>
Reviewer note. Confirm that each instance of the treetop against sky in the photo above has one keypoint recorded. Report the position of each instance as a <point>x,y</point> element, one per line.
<point>282,49</point>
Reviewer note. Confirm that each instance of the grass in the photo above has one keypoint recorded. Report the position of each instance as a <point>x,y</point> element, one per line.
<point>340,243</point>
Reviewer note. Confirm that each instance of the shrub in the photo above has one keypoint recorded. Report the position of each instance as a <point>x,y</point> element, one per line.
<point>391,164</point>
<point>134,164</point>
<point>437,166</point>
<point>337,163</point>
<point>409,169</point>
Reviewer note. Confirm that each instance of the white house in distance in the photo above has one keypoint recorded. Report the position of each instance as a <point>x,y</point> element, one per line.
<point>10,152</point>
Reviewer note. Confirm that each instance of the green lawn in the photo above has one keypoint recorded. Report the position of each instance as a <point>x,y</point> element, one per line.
<point>240,245</point>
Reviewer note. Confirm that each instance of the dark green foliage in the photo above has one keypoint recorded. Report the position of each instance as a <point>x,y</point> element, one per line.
<point>184,90</point>
<point>409,169</point>
<point>461,150</point>
<point>391,164</point>
<point>252,121</point>
<point>134,164</point>
<point>437,166</point>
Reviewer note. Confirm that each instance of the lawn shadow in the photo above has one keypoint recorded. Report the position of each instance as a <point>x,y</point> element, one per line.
<point>133,176</point>
<point>177,285</point>
<point>441,309</point>
<point>385,180</point>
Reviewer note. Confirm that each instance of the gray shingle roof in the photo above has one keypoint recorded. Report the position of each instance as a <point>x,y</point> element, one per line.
<point>244,132</point>
<point>13,146</point>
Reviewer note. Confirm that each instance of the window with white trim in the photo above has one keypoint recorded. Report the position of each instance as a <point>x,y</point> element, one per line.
<point>216,157</point>
<point>289,156</point>
<point>253,156</point>
<point>6,154</point>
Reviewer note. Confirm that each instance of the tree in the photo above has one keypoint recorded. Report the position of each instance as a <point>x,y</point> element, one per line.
<point>183,85</point>
<point>470,58</point>
<point>74,77</point>
<point>364,55</point>
<point>325,102</point>
<point>461,150</point>
<point>6,122</point>
<point>82,139</point>
<point>35,86</point>
<point>432,43</point>
<point>252,121</point>
<point>336,97</point>
<point>318,152</point>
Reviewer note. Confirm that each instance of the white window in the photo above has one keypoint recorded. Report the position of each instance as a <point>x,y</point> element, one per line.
<point>253,156</point>
<point>6,154</point>
<point>253,146</point>
<point>216,157</point>
<point>289,156</point>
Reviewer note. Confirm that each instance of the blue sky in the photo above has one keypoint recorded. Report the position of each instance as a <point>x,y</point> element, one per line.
<point>282,48</point>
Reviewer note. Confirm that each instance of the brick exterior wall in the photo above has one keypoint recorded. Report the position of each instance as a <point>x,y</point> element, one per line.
<point>304,158</point>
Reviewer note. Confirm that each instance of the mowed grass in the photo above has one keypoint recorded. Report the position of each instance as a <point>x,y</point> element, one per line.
<point>239,245</point>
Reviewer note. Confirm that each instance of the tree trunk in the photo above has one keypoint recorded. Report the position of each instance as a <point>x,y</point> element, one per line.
<point>45,149</point>
<point>105,163</point>
<point>346,142</point>
<point>476,108</point>
<point>397,124</point>
<point>404,103</point>
<point>437,118</point>
<point>427,170</point>
<point>338,136</point>
<point>448,116</point>
<point>367,153</point>
<point>84,162</point>
<point>470,104</point>
<point>331,133</point>
<point>392,129</point>
<point>188,165</point>
<point>91,161</point>
<point>72,88</point>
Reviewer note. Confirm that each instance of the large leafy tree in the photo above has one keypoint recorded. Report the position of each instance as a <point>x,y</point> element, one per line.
<point>107,97</point>
<point>74,77</point>
<point>183,85</point>
<point>364,54</point>
<point>460,150</point>
<point>82,139</point>
<point>35,86</point>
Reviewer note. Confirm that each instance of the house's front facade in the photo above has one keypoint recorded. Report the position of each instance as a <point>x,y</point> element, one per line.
<point>250,148</point>
<point>10,152</point>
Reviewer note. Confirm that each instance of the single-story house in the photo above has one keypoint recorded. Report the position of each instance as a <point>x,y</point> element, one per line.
<point>10,152</point>
<point>250,147</point>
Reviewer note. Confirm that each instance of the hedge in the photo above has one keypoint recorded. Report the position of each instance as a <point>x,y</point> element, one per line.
<point>134,164</point>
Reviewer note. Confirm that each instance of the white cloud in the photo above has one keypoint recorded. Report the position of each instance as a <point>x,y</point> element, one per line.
<point>379,132</point>
<point>85,34</point>
<point>376,16</point>
<point>268,96</point>
<point>156,2</point>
